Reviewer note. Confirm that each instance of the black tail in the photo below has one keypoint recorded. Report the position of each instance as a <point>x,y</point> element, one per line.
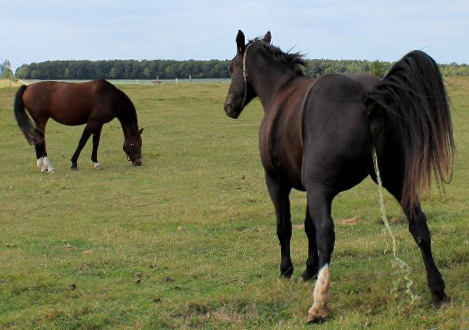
<point>413,96</point>
<point>22,117</point>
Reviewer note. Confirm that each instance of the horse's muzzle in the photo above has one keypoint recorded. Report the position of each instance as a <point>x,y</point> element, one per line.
<point>230,111</point>
<point>137,162</point>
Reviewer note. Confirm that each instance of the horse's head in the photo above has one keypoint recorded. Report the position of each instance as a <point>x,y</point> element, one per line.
<point>241,91</point>
<point>133,148</point>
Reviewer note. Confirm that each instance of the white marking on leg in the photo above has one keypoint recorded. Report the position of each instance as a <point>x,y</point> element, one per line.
<point>48,165</point>
<point>320,310</point>
<point>96,165</point>
<point>40,165</point>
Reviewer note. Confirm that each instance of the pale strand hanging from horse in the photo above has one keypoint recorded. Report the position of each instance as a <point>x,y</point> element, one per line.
<point>318,135</point>
<point>92,103</point>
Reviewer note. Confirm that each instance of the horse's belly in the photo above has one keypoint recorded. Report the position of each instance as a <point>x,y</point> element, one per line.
<point>289,169</point>
<point>70,118</point>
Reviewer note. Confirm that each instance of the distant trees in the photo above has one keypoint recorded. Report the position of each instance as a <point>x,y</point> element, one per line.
<point>5,70</point>
<point>454,70</point>
<point>377,69</point>
<point>124,69</point>
<point>170,69</point>
<point>318,67</point>
<point>6,73</point>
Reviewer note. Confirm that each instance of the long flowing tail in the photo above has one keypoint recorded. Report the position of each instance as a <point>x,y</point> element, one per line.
<point>22,117</point>
<point>414,99</point>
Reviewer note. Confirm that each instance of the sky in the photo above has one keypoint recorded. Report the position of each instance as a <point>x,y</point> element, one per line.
<point>41,30</point>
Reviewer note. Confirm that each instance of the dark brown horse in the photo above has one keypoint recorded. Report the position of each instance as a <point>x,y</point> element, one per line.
<point>318,136</point>
<point>92,103</point>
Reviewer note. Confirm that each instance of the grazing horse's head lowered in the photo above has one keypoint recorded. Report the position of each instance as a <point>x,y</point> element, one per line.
<point>133,148</point>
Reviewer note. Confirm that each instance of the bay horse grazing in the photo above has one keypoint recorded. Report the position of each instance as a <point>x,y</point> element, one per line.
<point>318,136</point>
<point>92,103</point>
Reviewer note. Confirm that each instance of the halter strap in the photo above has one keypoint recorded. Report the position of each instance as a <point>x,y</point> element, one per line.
<point>245,76</point>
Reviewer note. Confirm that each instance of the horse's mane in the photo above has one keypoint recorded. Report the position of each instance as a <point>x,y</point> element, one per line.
<point>295,61</point>
<point>130,114</point>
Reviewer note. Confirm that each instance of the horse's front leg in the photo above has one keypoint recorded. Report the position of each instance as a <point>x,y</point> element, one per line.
<point>94,153</point>
<point>84,138</point>
<point>279,193</point>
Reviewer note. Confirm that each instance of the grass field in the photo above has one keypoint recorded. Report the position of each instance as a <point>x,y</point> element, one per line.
<point>188,240</point>
<point>9,83</point>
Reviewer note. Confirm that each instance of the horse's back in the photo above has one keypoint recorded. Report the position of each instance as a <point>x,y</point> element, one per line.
<point>70,103</point>
<point>336,132</point>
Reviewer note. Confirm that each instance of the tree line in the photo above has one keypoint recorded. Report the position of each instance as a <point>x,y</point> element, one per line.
<point>124,69</point>
<point>170,69</point>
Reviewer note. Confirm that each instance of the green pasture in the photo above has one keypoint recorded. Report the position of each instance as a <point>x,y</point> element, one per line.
<point>188,240</point>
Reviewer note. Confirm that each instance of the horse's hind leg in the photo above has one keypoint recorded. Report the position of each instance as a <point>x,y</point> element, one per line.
<point>313,259</point>
<point>419,229</point>
<point>319,204</point>
<point>40,160</point>
<point>43,162</point>
<point>94,154</point>
<point>279,193</point>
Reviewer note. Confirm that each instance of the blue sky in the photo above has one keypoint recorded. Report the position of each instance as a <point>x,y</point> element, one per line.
<point>34,31</point>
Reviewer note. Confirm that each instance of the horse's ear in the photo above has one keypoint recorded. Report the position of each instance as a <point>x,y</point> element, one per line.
<point>241,42</point>
<point>140,131</point>
<point>268,37</point>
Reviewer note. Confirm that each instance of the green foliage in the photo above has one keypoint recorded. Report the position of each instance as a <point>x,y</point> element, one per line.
<point>124,69</point>
<point>454,70</point>
<point>168,69</point>
<point>377,69</point>
<point>188,240</point>
<point>5,71</point>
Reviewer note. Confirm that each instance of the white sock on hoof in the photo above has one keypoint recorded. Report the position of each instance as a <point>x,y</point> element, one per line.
<point>320,310</point>
<point>97,165</point>
<point>48,165</point>
<point>40,165</point>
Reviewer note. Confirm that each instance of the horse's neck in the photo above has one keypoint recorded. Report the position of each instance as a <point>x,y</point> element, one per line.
<point>129,127</point>
<point>270,86</point>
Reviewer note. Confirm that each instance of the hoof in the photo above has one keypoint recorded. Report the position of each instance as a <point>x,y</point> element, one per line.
<point>309,275</point>
<point>52,171</point>
<point>315,320</point>
<point>97,166</point>
<point>74,168</point>
<point>317,314</point>
<point>287,273</point>
<point>439,299</point>
<point>43,170</point>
